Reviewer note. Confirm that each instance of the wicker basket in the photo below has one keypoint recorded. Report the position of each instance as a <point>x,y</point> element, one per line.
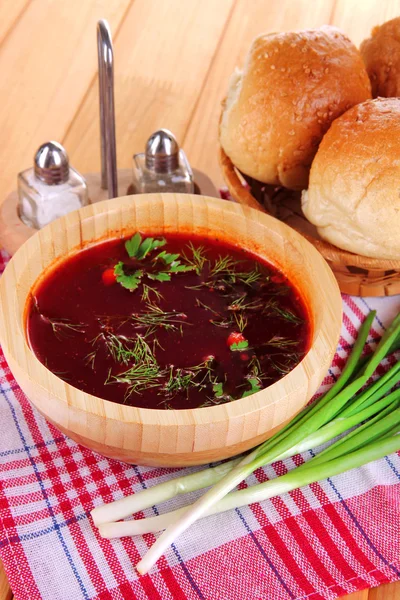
<point>357,275</point>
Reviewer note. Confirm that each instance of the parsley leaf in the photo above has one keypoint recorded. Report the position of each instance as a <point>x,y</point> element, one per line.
<point>166,257</point>
<point>130,282</point>
<point>239,345</point>
<point>255,387</point>
<point>171,260</point>
<point>176,267</point>
<point>162,276</point>
<point>136,248</point>
<point>218,389</point>
<point>132,245</point>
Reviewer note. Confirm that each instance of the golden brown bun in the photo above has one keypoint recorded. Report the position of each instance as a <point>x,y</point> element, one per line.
<point>381,55</point>
<point>292,87</point>
<point>354,192</point>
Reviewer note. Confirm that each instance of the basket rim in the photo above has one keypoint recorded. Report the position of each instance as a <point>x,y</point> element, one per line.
<point>329,251</point>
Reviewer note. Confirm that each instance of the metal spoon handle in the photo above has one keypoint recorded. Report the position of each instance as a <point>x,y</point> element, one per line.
<point>107,113</point>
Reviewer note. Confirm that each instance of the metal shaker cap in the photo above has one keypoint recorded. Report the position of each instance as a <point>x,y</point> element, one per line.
<point>51,163</point>
<point>162,152</point>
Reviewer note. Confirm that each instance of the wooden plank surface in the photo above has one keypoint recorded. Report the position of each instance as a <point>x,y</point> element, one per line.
<point>160,69</point>
<point>5,590</point>
<point>47,63</point>
<point>173,62</point>
<point>363,595</point>
<point>9,15</point>
<point>358,18</point>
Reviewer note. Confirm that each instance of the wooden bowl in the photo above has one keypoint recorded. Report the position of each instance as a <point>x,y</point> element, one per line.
<point>162,437</point>
<point>357,275</point>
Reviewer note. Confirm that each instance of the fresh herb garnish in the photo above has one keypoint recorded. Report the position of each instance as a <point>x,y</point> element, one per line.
<point>255,386</point>
<point>198,259</point>
<point>138,339</point>
<point>242,345</point>
<point>173,263</point>
<point>218,389</point>
<point>241,304</point>
<point>223,322</point>
<point>128,281</point>
<point>241,321</point>
<point>63,328</point>
<point>155,317</point>
<point>147,291</point>
<point>202,305</point>
<point>144,374</point>
<point>136,248</point>
<point>280,342</point>
<point>179,380</point>
<point>272,307</point>
<point>161,276</point>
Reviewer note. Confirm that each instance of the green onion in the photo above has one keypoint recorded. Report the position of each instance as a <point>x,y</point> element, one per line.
<point>285,483</point>
<point>374,412</point>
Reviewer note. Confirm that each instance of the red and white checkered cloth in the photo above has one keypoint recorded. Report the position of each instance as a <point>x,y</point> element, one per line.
<point>322,541</point>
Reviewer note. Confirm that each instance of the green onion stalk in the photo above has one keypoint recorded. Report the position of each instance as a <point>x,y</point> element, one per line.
<point>346,405</point>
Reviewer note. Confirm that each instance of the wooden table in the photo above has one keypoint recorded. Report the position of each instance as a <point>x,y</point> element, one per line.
<point>173,60</point>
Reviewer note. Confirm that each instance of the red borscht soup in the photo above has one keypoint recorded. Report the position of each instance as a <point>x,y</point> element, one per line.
<point>167,322</point>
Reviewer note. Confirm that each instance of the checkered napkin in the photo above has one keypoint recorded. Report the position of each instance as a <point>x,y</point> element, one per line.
<point>321,541</point>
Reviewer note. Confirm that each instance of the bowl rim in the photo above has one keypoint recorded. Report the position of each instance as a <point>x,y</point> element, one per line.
<point>331,319</point>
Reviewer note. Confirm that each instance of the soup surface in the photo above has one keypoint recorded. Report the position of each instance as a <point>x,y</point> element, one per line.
<point>167,323</point>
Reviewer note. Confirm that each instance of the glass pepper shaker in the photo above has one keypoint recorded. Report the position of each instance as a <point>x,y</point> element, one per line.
<point>163,167</point>
<point>51,188</point>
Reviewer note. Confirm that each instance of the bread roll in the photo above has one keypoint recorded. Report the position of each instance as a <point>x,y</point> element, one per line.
<point>292,87</point>
<point>381,55</point>
<point>354,192</point>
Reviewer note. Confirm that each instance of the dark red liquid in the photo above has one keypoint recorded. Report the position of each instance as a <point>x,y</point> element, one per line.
<point>73,313</point>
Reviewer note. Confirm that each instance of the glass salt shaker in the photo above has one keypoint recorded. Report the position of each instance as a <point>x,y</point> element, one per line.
<point>51,188</point>
<point>163,167</point>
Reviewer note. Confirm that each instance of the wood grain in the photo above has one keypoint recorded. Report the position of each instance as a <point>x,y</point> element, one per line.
<point>10,11</point>
<point>5,590</point>
<point>363,595</point>
<point>358,18</point>
<point>390,591</point>
<point>158,76</point>
<point>47,63</point>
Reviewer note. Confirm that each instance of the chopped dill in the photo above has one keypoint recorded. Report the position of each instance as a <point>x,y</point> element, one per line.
<point>155,317</point>
<point>141,345</point>
<point>198,259</point>
<point>90,359</point>
<point>281,367</point>
<point>147,291</point>
<point>280,342</point>
<point>223,322</point>
<point>63,328</point>
<point>224,266</point>
<point>241,321</point>
<point>255,386</point>
<point>272,307</point>
<point>240,304</point>
<point>179,379</point>
<point>139,377</point>
<point>202,305</point>
<point>144,374</point>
